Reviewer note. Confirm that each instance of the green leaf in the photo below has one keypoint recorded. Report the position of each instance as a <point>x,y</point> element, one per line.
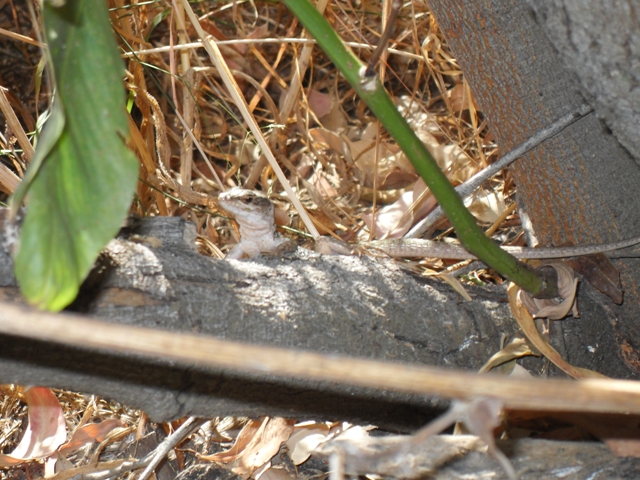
<point>48,139</point>
<point>83,189</point>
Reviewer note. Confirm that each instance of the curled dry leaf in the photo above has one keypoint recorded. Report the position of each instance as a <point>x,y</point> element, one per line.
<point>307,437</point>
<point>45,432</point>
<point>518,348</point>
<point>92,432</point>
<point>554,309</point>
<point>526,322</point>
<point>256,444</point>
<point>393,221</point>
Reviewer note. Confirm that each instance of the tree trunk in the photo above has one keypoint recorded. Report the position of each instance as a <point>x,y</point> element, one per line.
<point>577,187</point>
<point>359,307</point>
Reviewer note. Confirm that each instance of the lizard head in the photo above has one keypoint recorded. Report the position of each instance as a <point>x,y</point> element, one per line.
<point>247,205</point>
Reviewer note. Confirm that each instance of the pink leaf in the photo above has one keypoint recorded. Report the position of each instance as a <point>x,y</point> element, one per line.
<point>46,430</point>
<point>92,432</point>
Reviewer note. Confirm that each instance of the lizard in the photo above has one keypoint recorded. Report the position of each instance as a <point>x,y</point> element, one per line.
<point>254,213</point>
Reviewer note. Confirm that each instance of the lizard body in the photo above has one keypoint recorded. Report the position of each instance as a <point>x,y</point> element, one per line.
<point>254,213</point>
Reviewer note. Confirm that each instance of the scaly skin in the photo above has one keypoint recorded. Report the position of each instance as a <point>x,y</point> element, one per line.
<point>254,213</point>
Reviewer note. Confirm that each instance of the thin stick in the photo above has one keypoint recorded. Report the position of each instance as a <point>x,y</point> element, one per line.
<point>468,187</point>
<point>223,69</point>
<point>592,395</point>
<point>161,451</point>
<point>250,41</point>
<point>384,39</point>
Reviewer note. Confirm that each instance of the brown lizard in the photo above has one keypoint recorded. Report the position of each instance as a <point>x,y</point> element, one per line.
<point>254,213</point>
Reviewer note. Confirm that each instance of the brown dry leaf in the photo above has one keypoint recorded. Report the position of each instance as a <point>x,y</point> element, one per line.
<point>456,285</point>
<point>256,444</point>
<point>518,348</point>
<point>460,99</point>
<point>486,206</point>
<point>276,474</point>
<point>335,120</point>
<point>306,438</point>
<point>92,432</point>
<point>393,221</point>
<point>600,272</point>
<point>554,309</point>
<point>322,185</point>
<point>363,152</point>
<point>454,162</point>
<point>328,139</point>
<point>526,322</point>
<point>45,432</point>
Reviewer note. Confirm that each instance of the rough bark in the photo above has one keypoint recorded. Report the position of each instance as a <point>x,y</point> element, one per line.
<point>600,42</point>
<point>532,460</point>
<point>354,306</point>
<point>578,187</point>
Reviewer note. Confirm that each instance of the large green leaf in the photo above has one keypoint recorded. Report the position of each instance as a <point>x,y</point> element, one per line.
<point>83,189</point>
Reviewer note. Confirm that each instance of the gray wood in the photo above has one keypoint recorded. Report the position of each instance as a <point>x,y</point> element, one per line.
<point>580,186</point>
<point>600,42</point>
<point>362,307</point>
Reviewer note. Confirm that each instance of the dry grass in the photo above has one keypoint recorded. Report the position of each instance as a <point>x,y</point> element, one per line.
<point>340,162</point>
<point>337,158</point>
<point>335,155</point>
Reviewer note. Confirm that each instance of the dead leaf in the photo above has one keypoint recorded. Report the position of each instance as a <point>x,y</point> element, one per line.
<point>256,444</point>
<point>328,139</point>
<point>460,99</point>
<point>555,309</point>
<point>92,432</point>
<point>393,221</point>
<point>486,206</point>
<point>45,432</point>
<point>518,348</point>
<point>319,103</point>
<point>526,322</point>
<point>306,438</point>
<point>456,285</point>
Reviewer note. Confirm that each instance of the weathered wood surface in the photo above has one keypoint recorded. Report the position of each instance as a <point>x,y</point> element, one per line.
<point>354,306</point>
<point>580,186</point>
<point>600,42</point>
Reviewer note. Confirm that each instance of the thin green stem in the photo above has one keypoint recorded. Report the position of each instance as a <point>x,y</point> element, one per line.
<point>371,91</point>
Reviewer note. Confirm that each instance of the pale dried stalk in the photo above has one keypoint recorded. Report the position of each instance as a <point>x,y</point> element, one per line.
<point>14,125</point>
<point>591,395</point>
<point>223,69</point>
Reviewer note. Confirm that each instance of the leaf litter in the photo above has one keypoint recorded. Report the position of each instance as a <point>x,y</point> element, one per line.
<point>350,176</point>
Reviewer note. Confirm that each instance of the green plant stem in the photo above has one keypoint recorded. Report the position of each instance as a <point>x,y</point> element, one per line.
<point>371,91</point>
